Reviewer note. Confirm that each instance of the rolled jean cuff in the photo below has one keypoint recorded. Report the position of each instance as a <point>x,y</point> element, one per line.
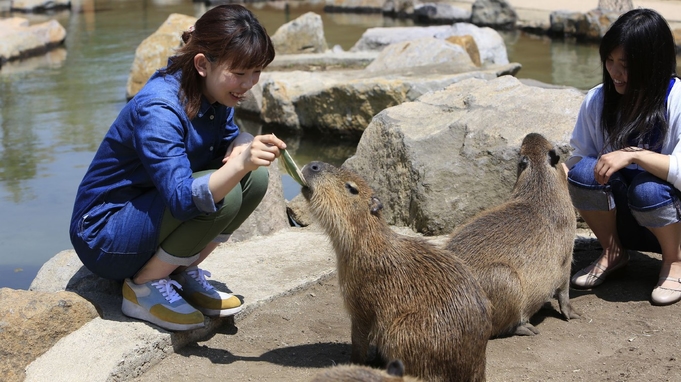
<point>221,238</point>
<point>657,217</point>
<point>589,199</point>
<point>175,260</point>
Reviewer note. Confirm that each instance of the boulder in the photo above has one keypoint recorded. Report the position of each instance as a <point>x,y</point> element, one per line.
<point>153,52</point>
<point>493,13</point>
<point>39,6</point>
<point>421,52</point>
<point>589,26</point>
<point>355,6</point>
<point>490,43</point>
<point>342,103</point>
<point>468,43</point>
<point>18,39</point>
<point>440,13</point>
<point>440,159</point>
<point>32,322</point>
<point>305,34</point>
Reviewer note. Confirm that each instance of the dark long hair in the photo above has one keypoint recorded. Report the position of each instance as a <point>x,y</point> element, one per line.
<point>229,34</point>
<point>649,48</point>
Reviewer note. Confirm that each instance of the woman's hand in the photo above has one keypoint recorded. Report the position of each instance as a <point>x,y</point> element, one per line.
<point>262,150</point>
<point>612,162</point>
<point>655,163</point>
<point>238,145</point>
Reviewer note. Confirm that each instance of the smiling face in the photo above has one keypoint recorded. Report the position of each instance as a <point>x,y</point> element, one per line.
<point>225,85</point>
<point>616,65</point>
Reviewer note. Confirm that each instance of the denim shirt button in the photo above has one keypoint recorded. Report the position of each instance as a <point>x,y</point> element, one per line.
<point>212,117</point>
<point>211,148</point>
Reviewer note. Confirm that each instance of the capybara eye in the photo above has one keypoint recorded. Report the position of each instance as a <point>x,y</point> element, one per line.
<point>315,167</point>
<point>352,188</point>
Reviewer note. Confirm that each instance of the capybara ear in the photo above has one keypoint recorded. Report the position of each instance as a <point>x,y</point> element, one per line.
<point>554,158</point>
<point>376,205</point>
<point>522,164</point>
<point>396,368</point>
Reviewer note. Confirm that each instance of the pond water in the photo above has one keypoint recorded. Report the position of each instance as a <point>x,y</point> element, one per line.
<point>54,109</point>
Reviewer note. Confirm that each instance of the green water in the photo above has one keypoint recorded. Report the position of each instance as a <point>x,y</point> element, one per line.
<point>54,109</point>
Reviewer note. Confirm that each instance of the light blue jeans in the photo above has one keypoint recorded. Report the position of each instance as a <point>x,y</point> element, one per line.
<point>640,198</point>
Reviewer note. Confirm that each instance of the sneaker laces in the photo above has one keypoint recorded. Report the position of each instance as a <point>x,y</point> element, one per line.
<point>165,286</point>
<point>200,275</point>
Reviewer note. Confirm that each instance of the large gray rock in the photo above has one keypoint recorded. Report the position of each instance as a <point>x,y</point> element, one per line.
<point>39,6</point>
<point>343,103</point>
<point>440,12</point>
<point>32,322</point>
<point>421,52</point>
<point>490,43</point>
<point>18,39</point>
<point>591,25</point>
<point>153,52</point>
<point>437,161</point>
<point>494,13</point>
<point>305,34</point>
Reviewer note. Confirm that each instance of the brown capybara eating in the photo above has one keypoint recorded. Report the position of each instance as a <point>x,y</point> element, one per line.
<point>353,373</point>
<point>413,301</point>
<point>521,250</point>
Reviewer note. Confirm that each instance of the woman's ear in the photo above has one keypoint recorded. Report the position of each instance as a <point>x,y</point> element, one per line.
<point>201,64</point>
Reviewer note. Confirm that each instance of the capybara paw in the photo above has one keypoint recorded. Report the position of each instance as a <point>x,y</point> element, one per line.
<point>526,329</point>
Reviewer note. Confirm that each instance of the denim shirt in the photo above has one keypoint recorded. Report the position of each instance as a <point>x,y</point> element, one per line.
<point>145,164</point>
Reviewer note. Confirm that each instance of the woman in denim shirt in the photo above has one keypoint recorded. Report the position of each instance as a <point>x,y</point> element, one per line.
<point>174,177</point>
<point>625,172</point>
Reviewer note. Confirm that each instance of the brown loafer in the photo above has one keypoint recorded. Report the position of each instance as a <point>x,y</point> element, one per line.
<point>664,295</point>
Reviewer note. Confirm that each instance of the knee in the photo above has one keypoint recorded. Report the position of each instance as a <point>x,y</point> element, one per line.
<point>648,191</point>
<point>582,173</point>
<point>259,181</point>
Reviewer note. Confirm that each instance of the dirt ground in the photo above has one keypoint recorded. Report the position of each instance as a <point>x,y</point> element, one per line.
<point>620,337</point>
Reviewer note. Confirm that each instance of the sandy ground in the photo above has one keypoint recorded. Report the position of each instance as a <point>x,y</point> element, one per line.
<point>620,337</point>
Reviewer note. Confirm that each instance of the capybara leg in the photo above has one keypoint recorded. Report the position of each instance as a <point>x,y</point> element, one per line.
<point>360,343</point>
<point>526,329</point>
<point>566,308</point>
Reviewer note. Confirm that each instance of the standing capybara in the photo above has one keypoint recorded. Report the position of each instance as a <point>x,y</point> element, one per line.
<point>352,373</point>
<point>414,301</point>
<point>521,250</point>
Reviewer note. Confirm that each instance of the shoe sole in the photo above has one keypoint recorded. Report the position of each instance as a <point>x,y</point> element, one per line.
<point>133,310</point>
<point>219,313</point>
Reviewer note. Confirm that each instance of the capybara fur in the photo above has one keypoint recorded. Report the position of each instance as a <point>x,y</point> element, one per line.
<point>353,373</point>
<point>414,301</point>
<point>521,250</point>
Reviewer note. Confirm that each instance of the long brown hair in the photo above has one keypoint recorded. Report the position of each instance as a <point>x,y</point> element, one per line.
<point>229,34</point>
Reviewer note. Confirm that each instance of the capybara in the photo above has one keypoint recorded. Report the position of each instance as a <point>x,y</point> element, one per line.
<point>414,301</point>
<point>353,373</point>
<point>521,250</point>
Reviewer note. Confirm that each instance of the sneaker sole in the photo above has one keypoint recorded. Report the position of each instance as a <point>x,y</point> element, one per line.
<point>219,313</point>
<point>133,310</point>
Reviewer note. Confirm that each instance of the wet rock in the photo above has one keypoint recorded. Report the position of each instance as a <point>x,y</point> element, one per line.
<point>440,13</point>
<point>39,6</point>
<point>19,40</point>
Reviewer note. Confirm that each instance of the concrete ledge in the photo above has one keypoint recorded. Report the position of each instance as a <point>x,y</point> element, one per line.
<point>116,348</point>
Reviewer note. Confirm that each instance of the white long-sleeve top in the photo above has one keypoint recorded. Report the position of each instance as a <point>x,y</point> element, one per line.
<point>588,140</point>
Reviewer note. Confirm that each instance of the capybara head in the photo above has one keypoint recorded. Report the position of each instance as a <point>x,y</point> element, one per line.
<point>339,198</point>
<point>538,155</point>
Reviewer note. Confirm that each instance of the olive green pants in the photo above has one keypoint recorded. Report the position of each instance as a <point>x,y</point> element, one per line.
<point>184,239</point>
